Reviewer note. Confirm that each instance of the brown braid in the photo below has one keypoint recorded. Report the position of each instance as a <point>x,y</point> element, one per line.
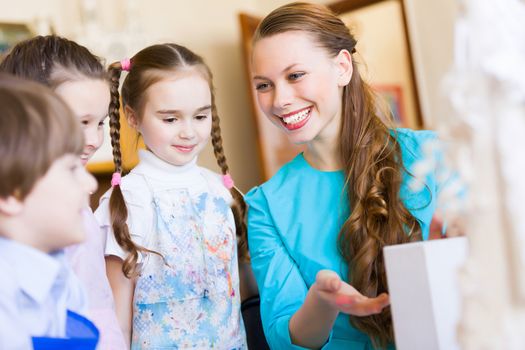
<point>238,206</point>
<point>117,205</point>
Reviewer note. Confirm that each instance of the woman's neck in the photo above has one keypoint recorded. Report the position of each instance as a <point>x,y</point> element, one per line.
<point>323,152</point>
<point>323,155</point>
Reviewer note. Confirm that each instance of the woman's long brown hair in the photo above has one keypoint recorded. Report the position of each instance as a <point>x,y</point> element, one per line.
<point>372,165</point>
<point>149,66</point>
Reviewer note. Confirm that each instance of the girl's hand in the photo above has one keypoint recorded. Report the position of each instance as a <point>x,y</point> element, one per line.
<point>455,227</point>
<point>345,298</point>
<point>436,227</point>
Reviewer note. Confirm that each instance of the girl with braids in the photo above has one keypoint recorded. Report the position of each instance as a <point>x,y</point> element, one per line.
<point>318,258</point>
<point>171,251</point>
<point>79,78</point>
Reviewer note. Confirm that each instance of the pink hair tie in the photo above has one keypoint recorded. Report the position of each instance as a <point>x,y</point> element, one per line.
<point>125,64</point>
<point>115,179</point>
<point>227,181</point>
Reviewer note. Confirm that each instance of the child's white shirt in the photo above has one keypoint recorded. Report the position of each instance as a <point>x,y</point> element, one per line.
<point>139,200</point>
<point>36,291</point>
<point>182,212</point>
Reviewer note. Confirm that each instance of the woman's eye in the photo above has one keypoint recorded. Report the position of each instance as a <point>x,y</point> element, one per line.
<point>295,76</point>
<point>169,120</point>
<point>262,86</point>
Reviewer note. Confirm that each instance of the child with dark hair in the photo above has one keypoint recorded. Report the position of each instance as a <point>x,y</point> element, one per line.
<point>80,79</point>
<point>44,190</point>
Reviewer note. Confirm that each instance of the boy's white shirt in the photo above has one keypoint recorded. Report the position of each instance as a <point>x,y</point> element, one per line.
<point>36,291</point>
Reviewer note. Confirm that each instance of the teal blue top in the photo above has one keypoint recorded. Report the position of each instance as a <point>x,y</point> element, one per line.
<point>293,223</point>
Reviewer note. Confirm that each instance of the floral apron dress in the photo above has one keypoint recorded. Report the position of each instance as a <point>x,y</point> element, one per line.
<point>189,299</point>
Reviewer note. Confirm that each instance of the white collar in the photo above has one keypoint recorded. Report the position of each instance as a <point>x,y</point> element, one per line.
<point>35,271</point>
<point>153,167</point>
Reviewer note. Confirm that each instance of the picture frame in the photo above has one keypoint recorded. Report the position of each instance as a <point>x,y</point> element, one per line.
<point>401,95</point>
<point>392,96</point>
<point>13,33</point>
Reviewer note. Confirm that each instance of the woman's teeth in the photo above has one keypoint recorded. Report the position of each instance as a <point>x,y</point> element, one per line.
<point>297,117</point>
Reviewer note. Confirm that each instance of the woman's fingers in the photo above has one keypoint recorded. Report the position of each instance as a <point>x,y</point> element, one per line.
<point>383,300</point>
<point>345,297</point>
<point>359,305</point>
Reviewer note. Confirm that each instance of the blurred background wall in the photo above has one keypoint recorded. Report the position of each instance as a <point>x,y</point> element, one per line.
<point>115,29</point>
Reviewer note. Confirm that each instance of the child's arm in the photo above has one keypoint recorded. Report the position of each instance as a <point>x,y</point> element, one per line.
<point>310,326</point>
<point>123,290</point>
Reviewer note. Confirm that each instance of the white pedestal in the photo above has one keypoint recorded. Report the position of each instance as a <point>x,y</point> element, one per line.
<point>424,292</point>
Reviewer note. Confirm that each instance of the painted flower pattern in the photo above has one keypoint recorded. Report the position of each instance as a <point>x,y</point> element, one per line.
<point>188,298</point>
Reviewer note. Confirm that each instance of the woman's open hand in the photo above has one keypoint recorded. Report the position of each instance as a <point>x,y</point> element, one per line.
<point>345,298</point>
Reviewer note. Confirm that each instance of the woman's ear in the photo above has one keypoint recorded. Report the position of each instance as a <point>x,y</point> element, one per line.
<point>11,205</point>
<point>131,117</point>
<point>343,62</point>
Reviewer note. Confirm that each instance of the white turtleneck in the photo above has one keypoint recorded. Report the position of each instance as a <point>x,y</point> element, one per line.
<point>152,174</point>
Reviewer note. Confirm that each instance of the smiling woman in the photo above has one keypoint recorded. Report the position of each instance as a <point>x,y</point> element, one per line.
<point>297,89</point>
<point>370,20</point>
<point>317,228</point>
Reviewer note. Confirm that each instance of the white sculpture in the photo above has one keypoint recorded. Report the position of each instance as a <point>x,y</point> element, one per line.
<point>487,90</point>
